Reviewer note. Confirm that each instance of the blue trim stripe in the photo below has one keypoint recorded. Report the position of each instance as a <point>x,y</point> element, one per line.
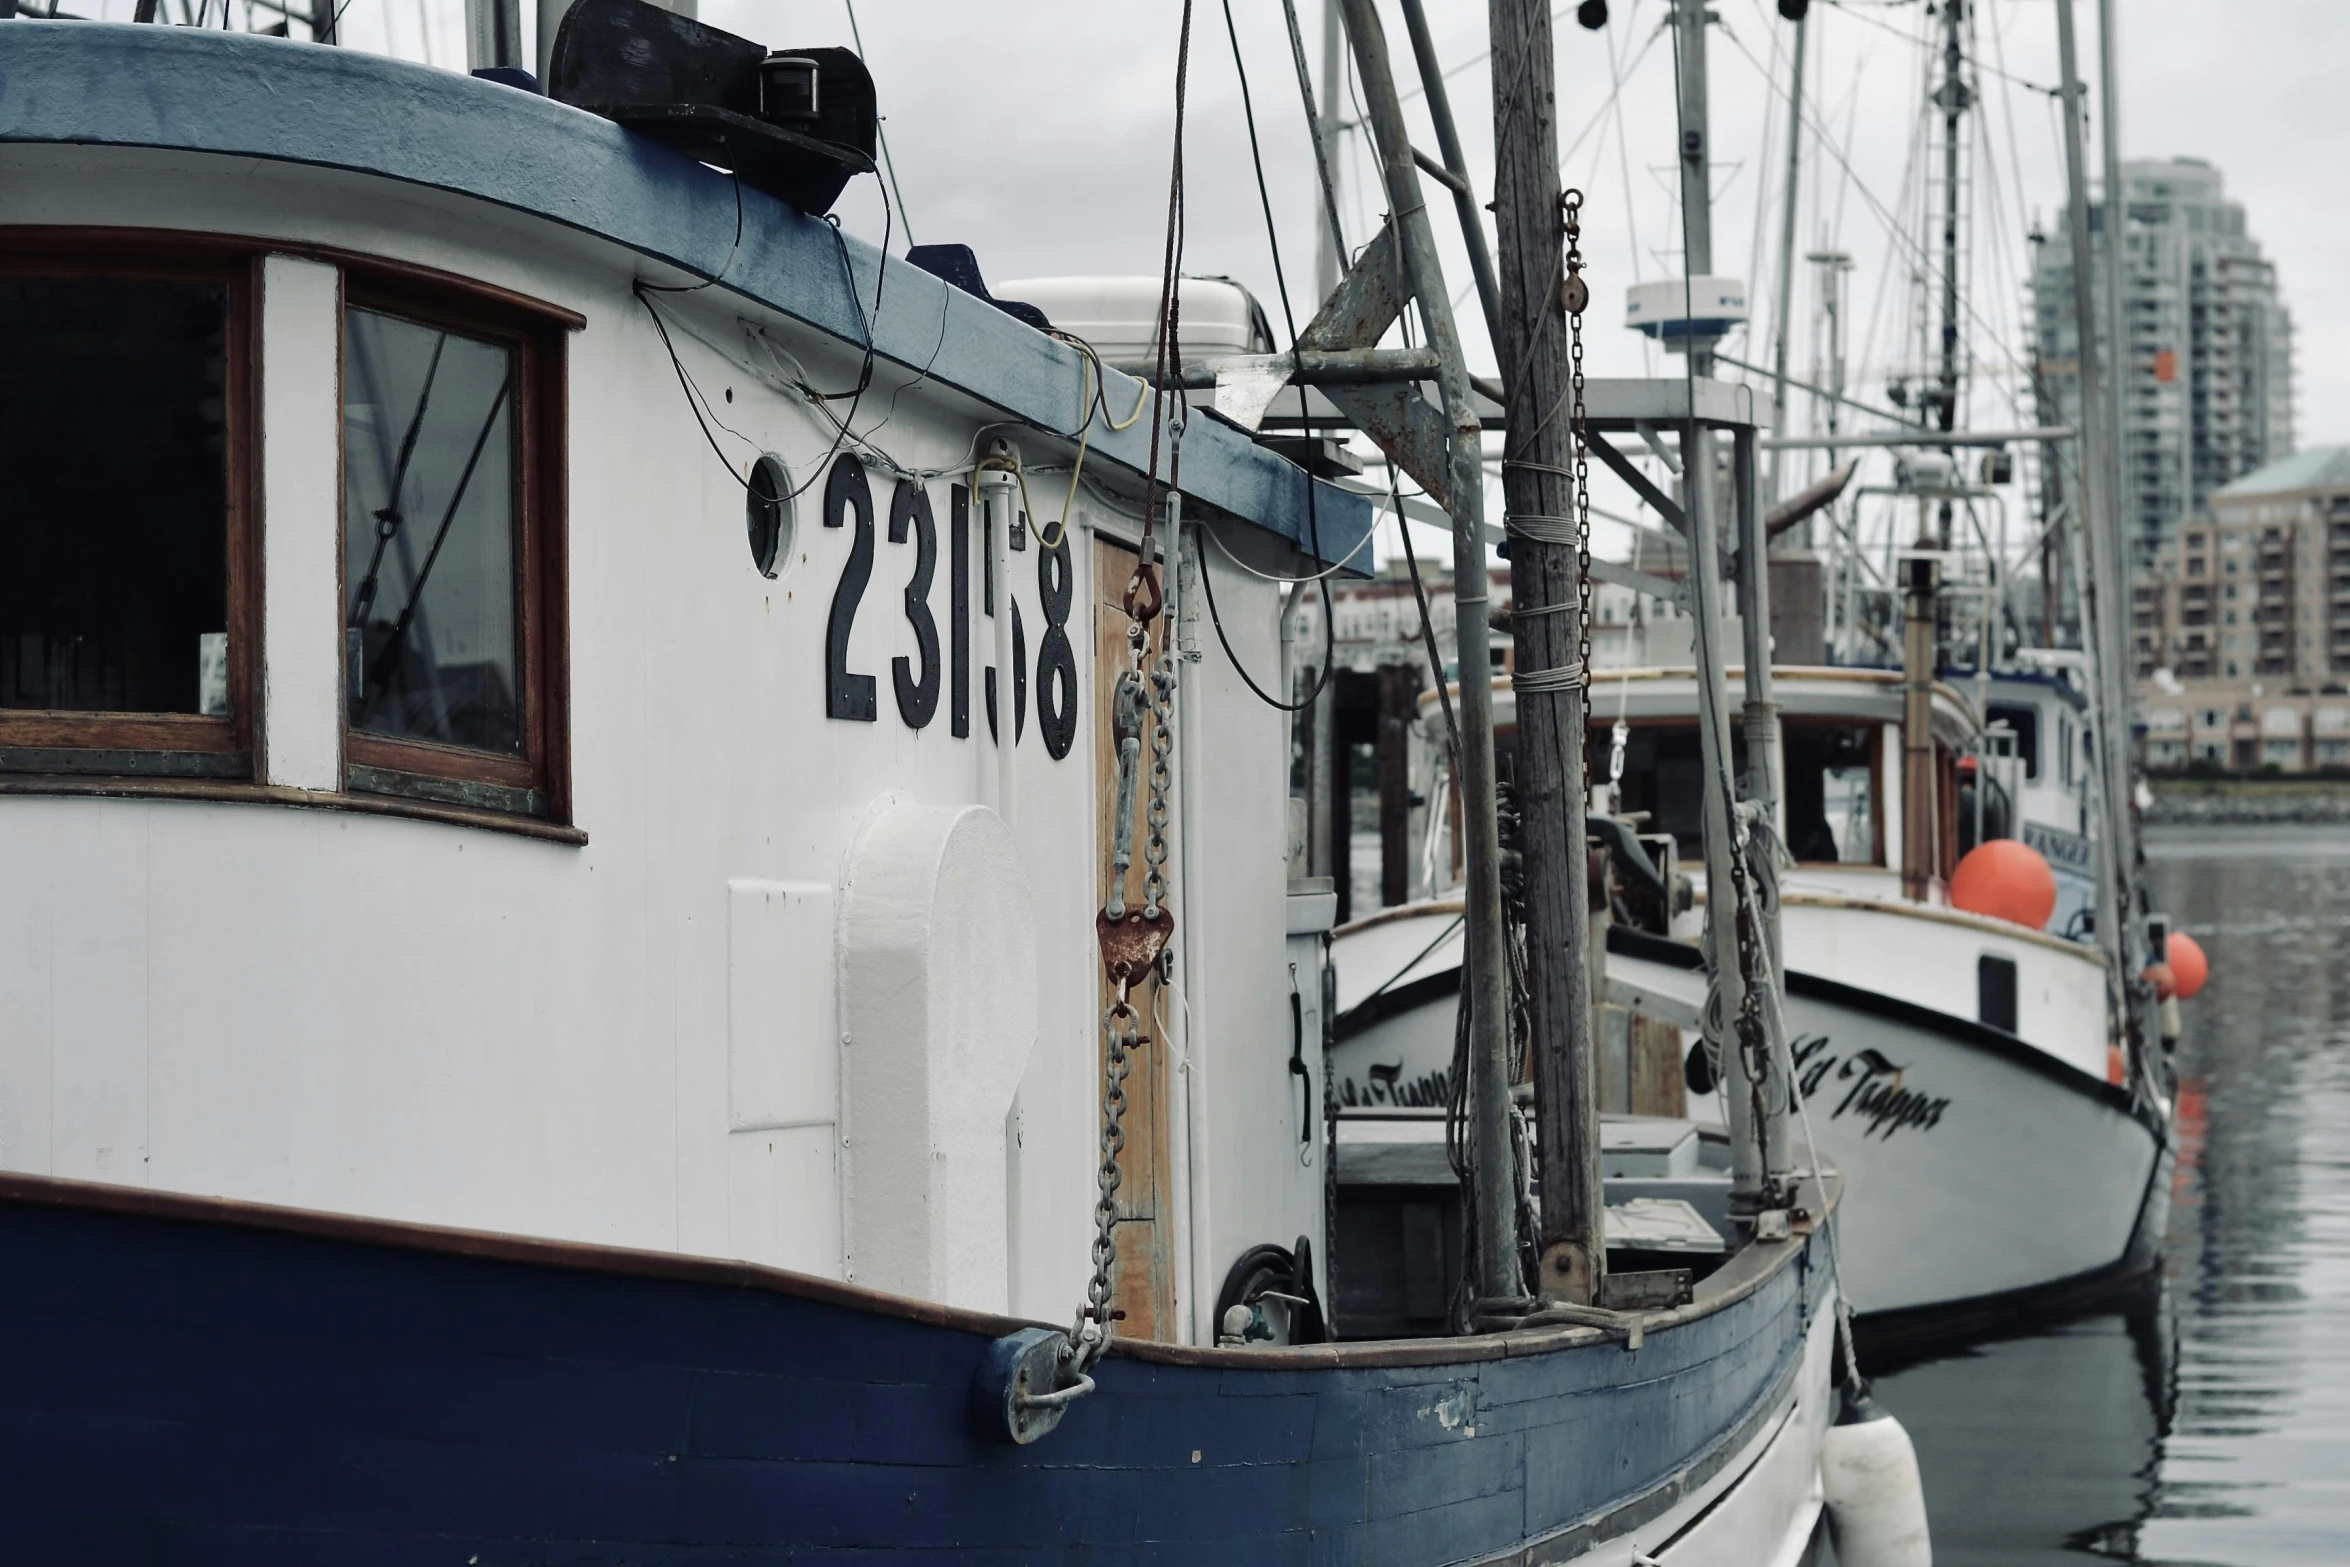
<point>187,89</point>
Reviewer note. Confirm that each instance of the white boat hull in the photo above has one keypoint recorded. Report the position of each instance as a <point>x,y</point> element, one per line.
<point>1983,1168</point>
<point>1978,1167</point>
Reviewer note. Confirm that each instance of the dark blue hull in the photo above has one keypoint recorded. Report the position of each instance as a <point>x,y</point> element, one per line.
<point>185,1382</point>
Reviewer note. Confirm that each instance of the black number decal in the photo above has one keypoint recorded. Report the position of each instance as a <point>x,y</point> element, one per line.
<point>959,612</point>
<point>848,695</point>
<point>917,699</point>
<point>1056,661</point>
<point>1019,678</point>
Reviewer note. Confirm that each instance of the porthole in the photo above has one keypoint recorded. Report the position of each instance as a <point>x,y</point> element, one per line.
<point>767,501</point>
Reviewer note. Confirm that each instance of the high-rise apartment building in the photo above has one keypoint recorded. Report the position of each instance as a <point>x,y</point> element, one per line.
<point>2207,388</point>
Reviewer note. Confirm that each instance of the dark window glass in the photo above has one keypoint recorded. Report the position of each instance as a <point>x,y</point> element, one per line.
<point>114,516</point>
<point>432,639</point>
<point>1995,991</point>
<point>2025,721</point>
<point>1830,787</point>
<point>767,500</point>
<point>1830,792</point>
<point>1664,776</point>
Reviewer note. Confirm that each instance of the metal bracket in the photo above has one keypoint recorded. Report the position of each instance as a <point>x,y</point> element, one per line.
<point>1664,454</point>
<point>1641,582</point>
<point>1017,1394</point>
<point>1131,944</point>
<point>1404,424</point>
<point>1620,465</point>
<point>1245,388</point>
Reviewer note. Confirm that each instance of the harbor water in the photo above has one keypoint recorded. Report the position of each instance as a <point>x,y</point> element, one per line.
<point>2205,1419</point>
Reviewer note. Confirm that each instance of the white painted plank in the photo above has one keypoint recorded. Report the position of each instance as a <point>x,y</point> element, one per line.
<point>301,492</point>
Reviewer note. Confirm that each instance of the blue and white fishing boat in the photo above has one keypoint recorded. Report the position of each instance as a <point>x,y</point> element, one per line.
<point>553,1005</point>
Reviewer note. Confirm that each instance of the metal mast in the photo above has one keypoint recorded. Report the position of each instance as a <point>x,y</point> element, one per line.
<point>1495,1223</point>
<point>1547,583</point>
<point>1455,172</point>
<point>1697,197</point>
<point>1329,257</point>
<point>1953,98</point>
<point>2117,233</point>
<point>2104,602</point>
<point>1759,1148</point>
<point>1781,318</point>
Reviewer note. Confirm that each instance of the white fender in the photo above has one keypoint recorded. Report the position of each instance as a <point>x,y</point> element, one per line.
<point>1869,1479</point>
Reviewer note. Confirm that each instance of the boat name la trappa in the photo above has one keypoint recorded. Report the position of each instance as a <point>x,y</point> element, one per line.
<point>1875,1090</point>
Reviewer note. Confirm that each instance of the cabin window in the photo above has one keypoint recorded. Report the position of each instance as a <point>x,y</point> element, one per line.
<point>1830,787</point>
<point>1830,792</point>
<point>451,551</point>
<point>1664,778</point>
<point>123,572</point>
<point>2025,721</point>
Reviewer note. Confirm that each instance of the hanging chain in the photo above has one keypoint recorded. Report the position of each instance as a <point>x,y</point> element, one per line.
<point>1132,943</point>
<point>1154,848</point>
<point>1121,1037</point>
<point>1575,294</point>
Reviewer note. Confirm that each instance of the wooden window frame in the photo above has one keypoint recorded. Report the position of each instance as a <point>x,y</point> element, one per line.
<point>166,745</point>
<point>535,784</point>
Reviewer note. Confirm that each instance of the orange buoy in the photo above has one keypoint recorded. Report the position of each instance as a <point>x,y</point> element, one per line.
<point>2187,963</point>
<point>2006,880</point>
<point>2165,983</point>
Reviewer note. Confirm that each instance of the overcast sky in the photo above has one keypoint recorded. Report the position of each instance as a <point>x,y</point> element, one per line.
<point>1038,132</point>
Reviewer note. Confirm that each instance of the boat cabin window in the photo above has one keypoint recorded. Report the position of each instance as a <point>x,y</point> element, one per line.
<point>1830,791</point>
<point>2024,719</point>
<point>1664,776</point>
<point>1830,787</point>
<point>447,558</point>
<point>122,382</point>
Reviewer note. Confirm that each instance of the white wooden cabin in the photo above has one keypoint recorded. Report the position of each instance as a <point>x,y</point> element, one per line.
<point>583,913</point>
<point>1845,915</point>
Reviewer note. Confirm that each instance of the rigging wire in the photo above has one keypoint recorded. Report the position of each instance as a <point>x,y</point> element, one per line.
<point>1619,70</point>
<point>1846,8</point>
<point>881,130</point>
<point>1766,186</point>
<point>1313,521</point>
<point>1894,231</point>
<point>1168,346</point>
<point>1305,93</point>
<point>695,401</point>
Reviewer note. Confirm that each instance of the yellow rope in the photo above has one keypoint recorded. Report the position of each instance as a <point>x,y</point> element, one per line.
<point>1008,461</point>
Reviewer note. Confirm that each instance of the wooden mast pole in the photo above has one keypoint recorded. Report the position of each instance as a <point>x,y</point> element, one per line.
<point>1546,582</point>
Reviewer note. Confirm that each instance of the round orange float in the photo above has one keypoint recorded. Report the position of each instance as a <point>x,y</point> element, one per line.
<point>2189,967</point>
<point>2006,880</point>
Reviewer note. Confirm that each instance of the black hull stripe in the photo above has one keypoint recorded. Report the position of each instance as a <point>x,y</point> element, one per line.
<point>1958,1030</point>
<point>1445,984</point>
<point>1397,1000</point>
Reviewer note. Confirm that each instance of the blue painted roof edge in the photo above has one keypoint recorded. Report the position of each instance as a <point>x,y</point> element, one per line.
<point>187,89</point>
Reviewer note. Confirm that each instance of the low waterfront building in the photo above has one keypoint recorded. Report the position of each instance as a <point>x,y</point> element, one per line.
<point>2243,625</point>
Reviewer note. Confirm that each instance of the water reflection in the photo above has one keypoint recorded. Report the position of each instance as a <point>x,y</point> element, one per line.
<point>2207,1419</point>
